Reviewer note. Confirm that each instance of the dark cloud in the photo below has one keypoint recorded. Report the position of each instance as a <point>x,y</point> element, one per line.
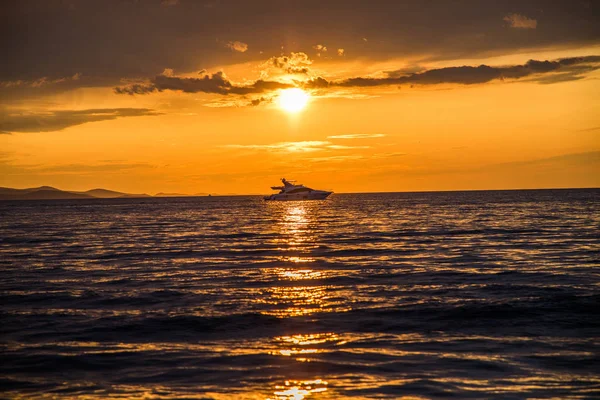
<point>21,90</point>
<point>565,69</point>
<point>136,89</point>
<point>215,83</point>
<point>260,100</point>
<point>405,71</point>
<point>115,39</point>
<point>58,120</point>
<point>317,83</point>
<point>261,86</point>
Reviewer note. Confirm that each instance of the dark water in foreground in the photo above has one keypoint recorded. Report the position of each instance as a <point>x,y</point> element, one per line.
<point>423,295</point>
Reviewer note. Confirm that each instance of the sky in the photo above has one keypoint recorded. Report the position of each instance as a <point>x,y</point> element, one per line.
<point>227,97</point>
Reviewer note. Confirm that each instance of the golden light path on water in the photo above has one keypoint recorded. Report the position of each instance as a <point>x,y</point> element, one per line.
<point>299,300</point>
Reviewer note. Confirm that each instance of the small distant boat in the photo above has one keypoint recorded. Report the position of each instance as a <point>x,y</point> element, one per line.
<point>291,191</point>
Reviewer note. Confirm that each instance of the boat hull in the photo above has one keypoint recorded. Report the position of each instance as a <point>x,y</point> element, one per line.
<point>314,195</point>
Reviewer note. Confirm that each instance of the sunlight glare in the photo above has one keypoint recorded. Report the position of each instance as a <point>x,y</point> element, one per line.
<point>293,100</point>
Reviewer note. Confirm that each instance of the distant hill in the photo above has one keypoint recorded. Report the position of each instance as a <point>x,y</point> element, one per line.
<point>50,193</point>
<point>162,194</point>
<point>16,192</point>
<point>109,194</point>
<point>103,193</point>
<point>42,193</point>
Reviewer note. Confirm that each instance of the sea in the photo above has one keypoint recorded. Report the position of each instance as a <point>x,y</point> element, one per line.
<point>466,295</point>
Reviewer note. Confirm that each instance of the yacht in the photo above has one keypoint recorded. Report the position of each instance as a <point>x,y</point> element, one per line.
<point>292,191</point>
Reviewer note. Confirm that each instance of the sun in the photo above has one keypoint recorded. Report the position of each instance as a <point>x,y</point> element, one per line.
<point>293,100</point>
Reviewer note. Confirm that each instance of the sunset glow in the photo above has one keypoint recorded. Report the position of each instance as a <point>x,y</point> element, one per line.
<point>503,103</point>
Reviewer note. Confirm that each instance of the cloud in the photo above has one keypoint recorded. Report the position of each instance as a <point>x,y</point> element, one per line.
<point>260,100</point>
<point>40,82</point>
<point>320,49</point>
<point>240,47</point>
<point>340,52</point>
<point>304,146</point>
<point>90,168</point>
<point>295,63</point>
<point>13,91</point>
<point>357,136</point>
<point>572,69</point>
<point>168,72</point>
<point>336,159</point>
<point>412,69</point>
<point>543,72</point>
<point>296,147</point>
<point>135,88</point>
<point>10,168</point>
<point>215,83</point>
<point>59,120</point>
<point>344,147</point>
<point>184,33</point>
<point>520,21</point>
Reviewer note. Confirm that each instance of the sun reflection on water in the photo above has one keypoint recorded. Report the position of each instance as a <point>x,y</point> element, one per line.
<point>298,296</point>
<point>308,339</point>
<point>294,301</point>
<point>298,274</point>
<point>298,390</point>
<point>296,227</point>
<point>296,259</point>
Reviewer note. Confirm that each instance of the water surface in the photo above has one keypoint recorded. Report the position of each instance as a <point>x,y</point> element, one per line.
<point>422,295</point>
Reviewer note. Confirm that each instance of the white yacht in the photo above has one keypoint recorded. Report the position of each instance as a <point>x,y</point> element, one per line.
<point>291,191</point>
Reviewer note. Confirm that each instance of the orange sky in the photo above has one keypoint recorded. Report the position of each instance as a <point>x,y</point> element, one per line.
<point>539,130</point>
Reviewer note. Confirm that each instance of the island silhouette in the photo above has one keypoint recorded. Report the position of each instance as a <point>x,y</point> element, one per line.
<point>52,193</point>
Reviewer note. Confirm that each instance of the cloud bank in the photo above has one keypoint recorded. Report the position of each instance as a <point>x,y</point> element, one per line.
<point>143,34</point>
<point>569,68</point>
<point>216,83</point>
<point>543,72</point>
<point>59,120</point>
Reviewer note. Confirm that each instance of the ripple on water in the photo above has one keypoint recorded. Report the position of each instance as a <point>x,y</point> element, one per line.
<point>422,295</point>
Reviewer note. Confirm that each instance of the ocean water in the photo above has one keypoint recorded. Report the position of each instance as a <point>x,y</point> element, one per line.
<point>484,295</point>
